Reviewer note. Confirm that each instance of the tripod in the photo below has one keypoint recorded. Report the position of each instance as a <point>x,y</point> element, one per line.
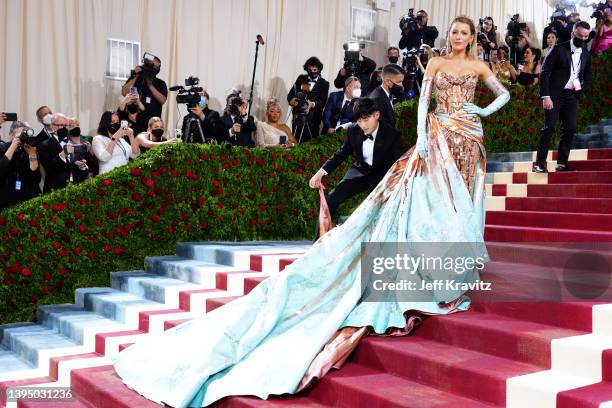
<point>301,124</point>
<point>193,133</point>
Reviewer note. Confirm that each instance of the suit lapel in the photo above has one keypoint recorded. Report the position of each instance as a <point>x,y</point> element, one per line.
<point>379,144</point>
<point>358,143</point>
<point>568,53</point>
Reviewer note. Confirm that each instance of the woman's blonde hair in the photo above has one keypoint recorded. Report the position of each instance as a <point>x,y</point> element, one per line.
<point>154,120</point>
<point>272,102</point>
<point>471,50</point>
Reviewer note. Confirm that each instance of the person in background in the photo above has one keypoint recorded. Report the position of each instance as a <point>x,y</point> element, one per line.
<point>82,162</point>
<point>529,72</point>
<point>109,145</point>
<point>488,37</point>
<point>365,67</point>
<point>153,91</point>
<point>272,133</point>
<point>238,124</point>
<point>210,122</point>
<point>44,115</point>
<point>19,168</point>
<point>480,52</point>
<point>603,36</point>
<point>154,136</point>
<point>52,156</point>
<point>504,69</point>
<point>339,109</point>
<point>422,61</point>
<point>551,41</point>
<point>133,110</point>
<point>390,90</point>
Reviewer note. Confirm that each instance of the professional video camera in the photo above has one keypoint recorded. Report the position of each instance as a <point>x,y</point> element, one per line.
<point>408,22</point>
<point>351,57</point>
<point>301,109</point>
<point>600,9</point>
<point>514,29</point>
<point>149,71</point>
<point>558,19</point>
<point>189,96</point>
<point>410,61</point>
<point>27,137</point>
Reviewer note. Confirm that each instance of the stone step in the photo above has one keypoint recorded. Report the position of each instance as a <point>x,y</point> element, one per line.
<point>154,287</point>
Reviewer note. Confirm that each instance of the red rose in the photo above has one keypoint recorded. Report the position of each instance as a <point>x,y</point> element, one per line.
<point>56,207</point>
<point>56,245</point>
<point>260,162</point>
<point>253,222</point>
<point>263,190</point>
<point>201,201</point>
<point>149,183</point>
<point>262,207</point>
<point>46,206</point>
<point>2,221</point>
<point>219,205</point>
<point>216,183</point>
<point>43,253</point>
<point>47,276</point>
<point>33,299</point>
<point>91,255</point>
<point>77,251</point>
<point>225,166</point>
<point>187,160</point>
<point>26,272</point>
<point>63,253</point>
<point>150,193</point>
<point>137,197</point>
<point>101,192</point>
<point>202,156</point>
<point>163,170</point>
<point>106,182</point>
<point>118,251</point>
<point>20,217</point>
<point>69,223</point>
<point>106,248</point>
<point>187,228</point>
<point>14,231</point>
<point>131,185</point>
<point>280,207</point>
<point>203,225</point>
<point>155,218</point>
<point>170,230</point>
<point>154,174</point>
<point>45,289</point>
<point>234,162</point>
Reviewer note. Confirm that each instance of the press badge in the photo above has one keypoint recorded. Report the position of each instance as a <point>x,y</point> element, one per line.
<point>18,185</point>
<point>148,100</point>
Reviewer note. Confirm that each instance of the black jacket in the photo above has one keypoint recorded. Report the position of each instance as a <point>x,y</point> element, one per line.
<point>17,169</point>
<point>414,39</point>
<point>388,147</point>
<point>383,102</point>
<point>364,71</point>
<point>318,95</point>
<point>244,138</point>
<point>556,70</point>
<point>212,127</point>
<point>57,172</point>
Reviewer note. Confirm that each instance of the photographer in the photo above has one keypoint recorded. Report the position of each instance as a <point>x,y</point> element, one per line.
<point>308,96</point>
<point>393,56</point>
<point>132,110</point>
<point>19,167</point>
<point>210,122</point>
<point>603,28</point>
<point>53,158</point>
<point>79,154</point>
<point>239,127</point>
<point>355,64</point>
<point>518,39</point>
<point>388,92</point>
<point>339,109</point>
<point>154,136</point>
<point>487,36</point>
<point>415,30</point>
<point>109,146</point>
<point>153,91</point>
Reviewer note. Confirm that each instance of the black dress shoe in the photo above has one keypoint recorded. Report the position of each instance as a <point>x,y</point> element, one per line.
<point>539,169</point>
<point>564,168</point>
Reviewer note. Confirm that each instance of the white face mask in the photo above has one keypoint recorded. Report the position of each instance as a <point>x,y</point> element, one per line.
<point>481,57</point>
<point>356,93</point>
<point>47,119</point>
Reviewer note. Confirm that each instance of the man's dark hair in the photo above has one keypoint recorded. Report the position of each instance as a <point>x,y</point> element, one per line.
<point>39,109</point>
<point>392,69</point>
<point>392,47</point>
<point>315,62</point>
<point>582,24</point>
<point>105,122</point>
<point>365,107</point>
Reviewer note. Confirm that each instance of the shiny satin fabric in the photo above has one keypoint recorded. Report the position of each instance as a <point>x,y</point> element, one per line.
<point>289,329</point>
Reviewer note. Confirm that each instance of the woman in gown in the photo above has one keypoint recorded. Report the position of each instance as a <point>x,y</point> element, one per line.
<point>295,326</point>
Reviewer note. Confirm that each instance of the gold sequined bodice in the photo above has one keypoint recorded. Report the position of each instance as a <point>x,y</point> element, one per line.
<point>453,91</point>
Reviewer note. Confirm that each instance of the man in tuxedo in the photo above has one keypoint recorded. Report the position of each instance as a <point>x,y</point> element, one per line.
<point>389,92</point>
<point>52,156</point>
<point>308,112</point>
<point>374,144</point>
<point>339,109</point>
<point>44,116</point>
<point>239,126</point>
<point>565,75</point>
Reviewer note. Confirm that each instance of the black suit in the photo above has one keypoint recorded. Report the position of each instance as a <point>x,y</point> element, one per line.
<point>361,177</point>
<point>212,127</point>
<point>244,138</point>
<point>57,172</point>
<point>17,182</point>
<point>42,136</point>
<point>318,95</point>
<point>555,74</point>
<point>365,69</point>
<point>384,103</point>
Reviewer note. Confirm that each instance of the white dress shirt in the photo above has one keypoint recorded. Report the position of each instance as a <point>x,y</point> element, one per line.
<point>108,161</point>
<point>368,147</point>
<point>575,68</point>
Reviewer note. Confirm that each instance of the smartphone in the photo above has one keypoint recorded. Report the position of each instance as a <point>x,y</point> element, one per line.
<point>134,90</point>
<point>148,57</point>
<point>10,117</point>
<point>283,139</point>
<point>124,124</point>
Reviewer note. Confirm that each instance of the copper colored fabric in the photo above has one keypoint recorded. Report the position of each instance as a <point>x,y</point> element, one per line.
<point>325,221</point>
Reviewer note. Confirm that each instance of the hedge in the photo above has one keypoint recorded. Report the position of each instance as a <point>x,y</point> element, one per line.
<point>72,238</point>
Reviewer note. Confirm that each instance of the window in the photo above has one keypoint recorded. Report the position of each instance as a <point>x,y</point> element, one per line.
<point>121,57</point>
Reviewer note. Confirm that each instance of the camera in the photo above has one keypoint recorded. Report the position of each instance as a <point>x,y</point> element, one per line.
<point>410,61</point>
<point>191,95</point>
<point>408,22</point>
<point>302,100</point>
<point>514,30</point>
<point>27,137</point>
<point>351,58</point>
<point>600,9</point>
<point>149,71</point>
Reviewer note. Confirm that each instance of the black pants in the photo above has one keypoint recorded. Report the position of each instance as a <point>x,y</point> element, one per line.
<point>347,189</point>
<point>564,108</point>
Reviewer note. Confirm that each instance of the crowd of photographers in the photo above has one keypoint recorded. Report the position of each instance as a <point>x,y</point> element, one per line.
<point>31,164</point>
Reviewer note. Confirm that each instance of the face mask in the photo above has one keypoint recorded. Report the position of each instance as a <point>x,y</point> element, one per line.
<point>47,119</point>
<point>357,93</point>
<point>202,102</point>
<point>397,90</point>
<point>62,133</point>
<point>481,57</point>
<point>158,133</point>
<point>393,60</point>
<point>114,128</point>
<point>75,132</point>
<point>313,75</point>
<point>132,108</point>
<point>578,42</point>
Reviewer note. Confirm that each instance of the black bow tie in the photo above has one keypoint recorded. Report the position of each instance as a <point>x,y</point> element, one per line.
<point>366,137</point>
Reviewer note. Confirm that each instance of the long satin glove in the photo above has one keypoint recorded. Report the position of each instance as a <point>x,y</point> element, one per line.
<point>503,96</point>
<point>421,144</point>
